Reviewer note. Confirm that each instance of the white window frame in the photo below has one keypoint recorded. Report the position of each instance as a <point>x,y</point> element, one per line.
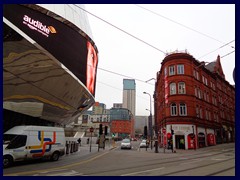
<point>182,109</point>
<point>181,88</point>
<point>197,111</point>
<point>173,109</point>
<point>172,88</point>
<point>196,91</point>
<point>180,69</point>
<point>171,70</point>
<point>200,112</point>
<point>197,75</point>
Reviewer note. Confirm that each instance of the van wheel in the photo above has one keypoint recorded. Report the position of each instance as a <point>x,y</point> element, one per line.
<point>55,156</point>
<point>7,161</point>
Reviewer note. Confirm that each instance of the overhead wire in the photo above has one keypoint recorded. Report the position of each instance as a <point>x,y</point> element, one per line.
<point>227,54</point>
<point>124,75</point>
<point>121,30</point>
<point>149,43</point>
<point>187,27</point>
<point>224,44</point>
<point>216,49</point>
<point>109,70</point>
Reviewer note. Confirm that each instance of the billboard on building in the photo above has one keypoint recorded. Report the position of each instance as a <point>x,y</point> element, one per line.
<point>67,45</point>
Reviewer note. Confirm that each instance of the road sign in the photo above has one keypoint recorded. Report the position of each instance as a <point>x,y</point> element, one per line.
<point>164,131</point>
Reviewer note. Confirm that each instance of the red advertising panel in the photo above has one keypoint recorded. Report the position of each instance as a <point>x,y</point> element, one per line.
<point>166,89</point>
<point>190,141</point>
<point>210,139</point>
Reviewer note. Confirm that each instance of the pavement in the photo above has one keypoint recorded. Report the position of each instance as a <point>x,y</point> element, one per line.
<point>189,151</point>
<point>85,151</point>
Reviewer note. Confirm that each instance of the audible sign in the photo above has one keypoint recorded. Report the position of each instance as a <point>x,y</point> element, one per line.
<point>63,42</point>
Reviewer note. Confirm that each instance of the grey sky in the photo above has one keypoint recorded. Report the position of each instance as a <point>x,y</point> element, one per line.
<point>202,30</point>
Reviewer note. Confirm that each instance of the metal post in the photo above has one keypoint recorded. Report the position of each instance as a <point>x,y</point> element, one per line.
<point>150,119</point>
<point>194,142</point>
<point>91,142</point>
<point>156,146</point>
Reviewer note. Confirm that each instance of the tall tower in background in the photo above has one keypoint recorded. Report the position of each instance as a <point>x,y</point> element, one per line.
<point>129,95</point>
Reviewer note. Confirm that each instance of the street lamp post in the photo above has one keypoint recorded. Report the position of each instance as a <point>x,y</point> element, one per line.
<point>91,131</point>
<point>150,117</point>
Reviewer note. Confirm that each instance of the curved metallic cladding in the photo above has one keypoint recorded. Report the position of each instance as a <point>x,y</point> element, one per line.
<point>72,13</point>
<point>35,84</point>
<point>45,76</point>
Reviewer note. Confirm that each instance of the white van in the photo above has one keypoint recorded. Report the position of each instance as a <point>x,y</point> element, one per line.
<point>32,142</point>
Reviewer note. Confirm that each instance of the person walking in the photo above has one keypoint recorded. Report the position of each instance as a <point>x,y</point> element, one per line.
<point>79,141</point>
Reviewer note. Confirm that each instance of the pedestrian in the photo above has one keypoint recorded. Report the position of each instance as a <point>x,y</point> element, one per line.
<point>182,144</point>
<point>79,141</point>
<point>169,144</point>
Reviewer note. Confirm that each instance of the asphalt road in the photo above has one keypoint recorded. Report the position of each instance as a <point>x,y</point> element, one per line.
<point>209,161</point>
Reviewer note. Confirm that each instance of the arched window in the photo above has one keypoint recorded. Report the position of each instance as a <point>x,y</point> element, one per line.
<point>173,109</point>
<point>182,109</point>
<point>181,88</point>
<point>172,88</point>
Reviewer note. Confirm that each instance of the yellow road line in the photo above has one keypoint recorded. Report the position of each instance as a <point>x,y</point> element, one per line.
<point>61,167</point>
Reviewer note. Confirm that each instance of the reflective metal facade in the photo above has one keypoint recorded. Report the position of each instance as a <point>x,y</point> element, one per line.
<point>45,68</point>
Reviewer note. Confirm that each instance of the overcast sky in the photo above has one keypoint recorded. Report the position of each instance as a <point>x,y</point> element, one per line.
<point>203,30</point>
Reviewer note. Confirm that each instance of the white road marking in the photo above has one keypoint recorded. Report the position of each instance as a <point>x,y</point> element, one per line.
<point>183,158</point>
<point>62,173</point>
<point>218,159</point>
<point>139,172</point>
<point>193,161</point>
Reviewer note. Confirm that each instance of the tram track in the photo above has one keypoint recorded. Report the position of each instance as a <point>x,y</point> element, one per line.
<point>147,165</point>
<point>168,161</point>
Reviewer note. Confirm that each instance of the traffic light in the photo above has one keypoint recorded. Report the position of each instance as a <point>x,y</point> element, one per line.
<point>145,131</point>
<point>105,130</point>
<point>100,129</point>
<point>172,131</point>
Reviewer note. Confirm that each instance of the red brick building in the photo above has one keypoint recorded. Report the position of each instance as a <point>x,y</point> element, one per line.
<point>194,100</point>
<point>122,122</point>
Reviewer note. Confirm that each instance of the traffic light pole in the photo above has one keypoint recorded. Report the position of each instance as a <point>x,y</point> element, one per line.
<point>172,133</point>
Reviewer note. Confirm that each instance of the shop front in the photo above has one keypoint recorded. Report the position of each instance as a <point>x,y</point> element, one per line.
<point>201,140</point>
<point>190,139</point>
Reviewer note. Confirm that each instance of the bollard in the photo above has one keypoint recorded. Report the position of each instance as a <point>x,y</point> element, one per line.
<point>67,147</point>
<point>71,147</point>
<point>156,146</point>
<point>74,146</point>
